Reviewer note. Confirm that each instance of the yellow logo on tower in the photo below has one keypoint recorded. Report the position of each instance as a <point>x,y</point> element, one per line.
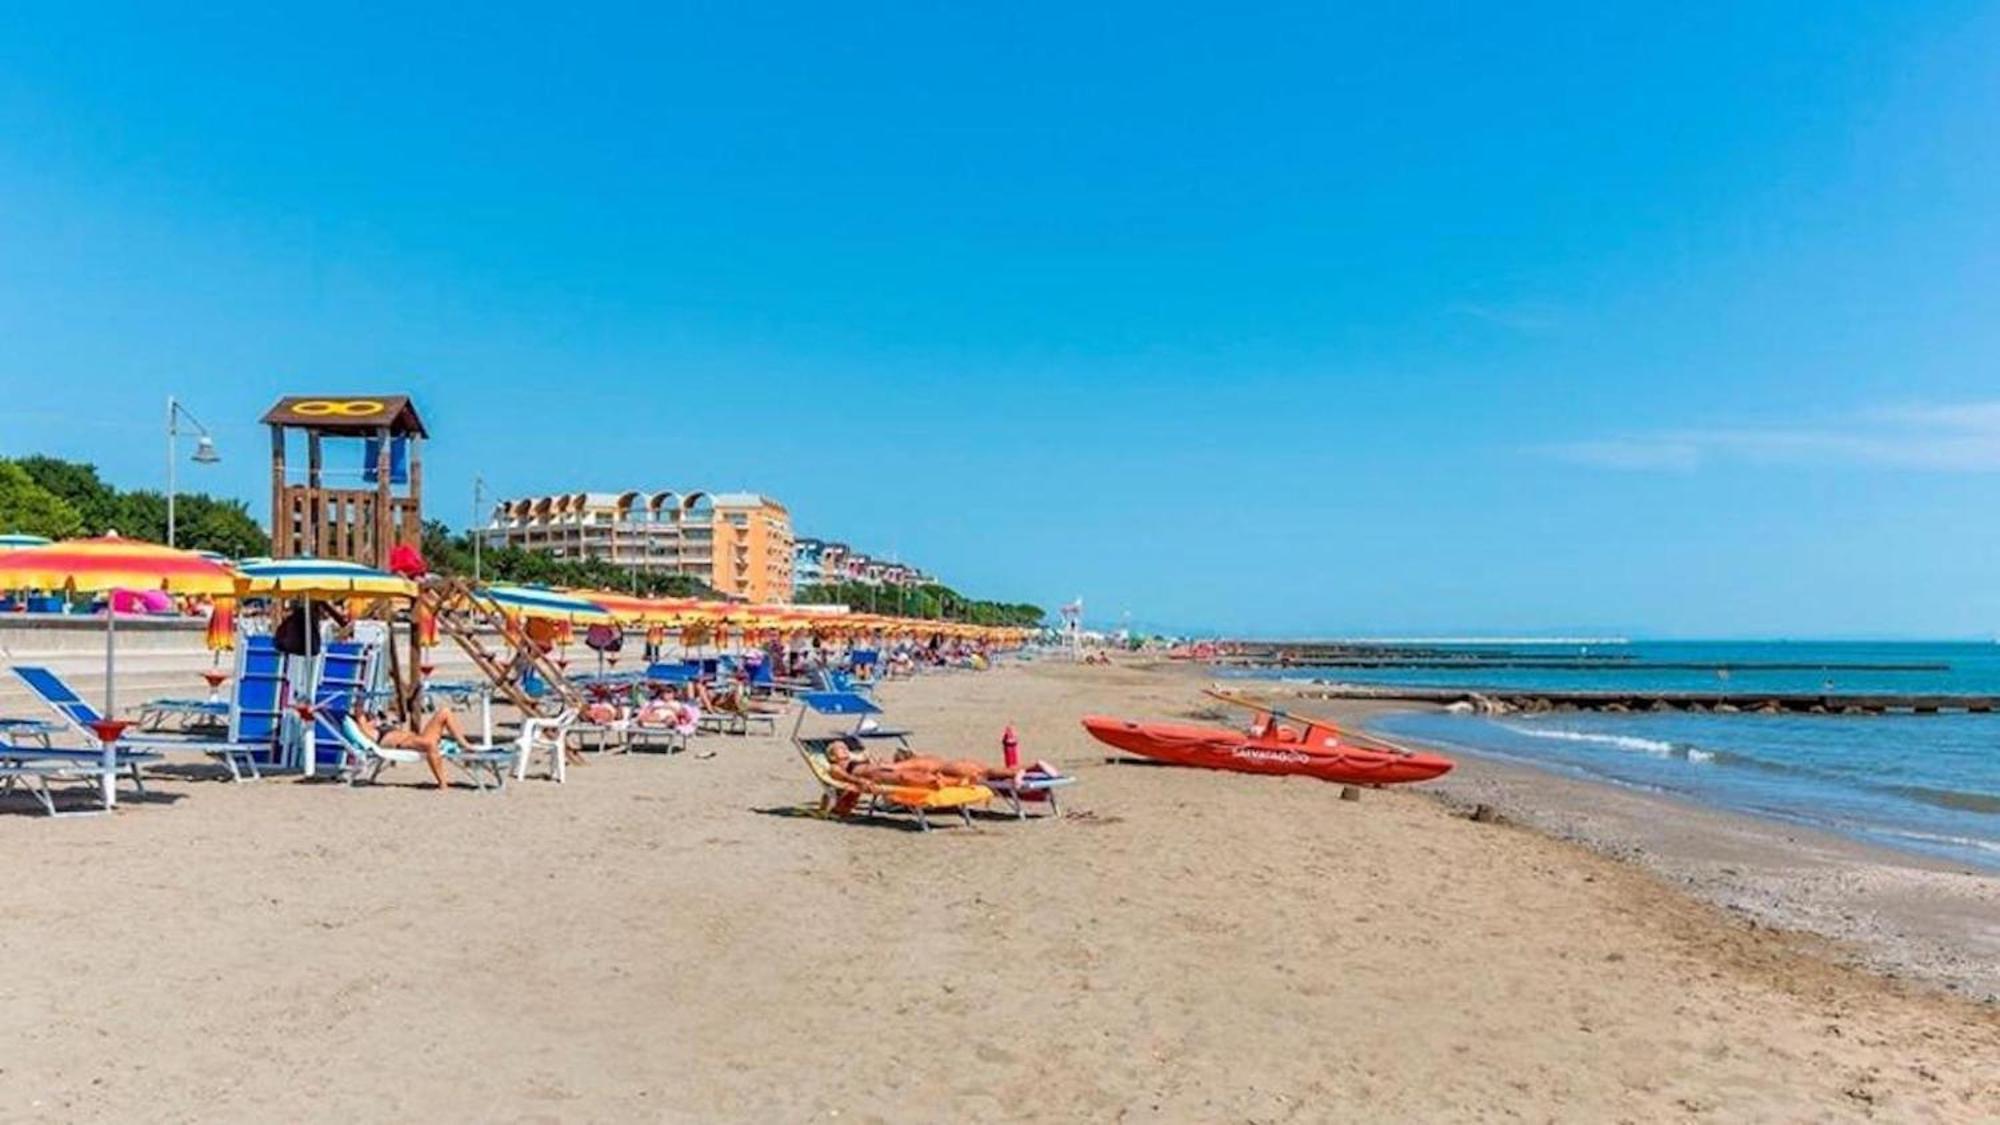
<point>339,408</point>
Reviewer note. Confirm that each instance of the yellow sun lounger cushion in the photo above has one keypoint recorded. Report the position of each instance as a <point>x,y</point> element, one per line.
<point>950,797</point>
<point>906,796</point>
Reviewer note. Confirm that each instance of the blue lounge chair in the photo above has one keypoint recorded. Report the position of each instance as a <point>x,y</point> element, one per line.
<point>346,675</point>
<point>673,675</point>
<point>842,703</point>
<point>764,681</point>
<point>29,760</point>
<point>834,680</point>
<point>32,775</point>
<point>257,706</point>
<point>155,714</point>
<point>59,697</point>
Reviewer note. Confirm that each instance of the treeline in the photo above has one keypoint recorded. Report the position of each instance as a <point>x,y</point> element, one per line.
<point>931,600</point>
<point>65,499</point>
<point>449,552</point>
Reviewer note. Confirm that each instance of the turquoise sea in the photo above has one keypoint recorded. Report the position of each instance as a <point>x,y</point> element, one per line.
<point>1923,783</point>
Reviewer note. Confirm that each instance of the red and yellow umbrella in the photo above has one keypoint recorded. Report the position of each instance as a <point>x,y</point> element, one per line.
<point>108,565</point>
<point>111,563</point>
<point>630,609</point>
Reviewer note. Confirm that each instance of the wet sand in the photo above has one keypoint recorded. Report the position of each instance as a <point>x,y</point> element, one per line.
<point>1898,913</point>
<point>664,938</point>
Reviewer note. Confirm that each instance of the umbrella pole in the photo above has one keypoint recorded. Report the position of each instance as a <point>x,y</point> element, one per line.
<point>309,739</point>
<point>110,653</point>
<point>109,748</point>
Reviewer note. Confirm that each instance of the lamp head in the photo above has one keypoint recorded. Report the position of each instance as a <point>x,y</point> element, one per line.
<point>204,451</point>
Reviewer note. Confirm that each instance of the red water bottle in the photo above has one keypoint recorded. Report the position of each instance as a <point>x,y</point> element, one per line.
<point>1010,748</point>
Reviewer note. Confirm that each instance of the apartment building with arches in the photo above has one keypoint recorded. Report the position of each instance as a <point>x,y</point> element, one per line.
<point>740,543</point>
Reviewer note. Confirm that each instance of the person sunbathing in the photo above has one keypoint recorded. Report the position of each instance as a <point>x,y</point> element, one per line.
<point>850,763</point>
<point>666,711</point>
<point>734,700</point>
<point>917,771</point>
<point>442,727</point>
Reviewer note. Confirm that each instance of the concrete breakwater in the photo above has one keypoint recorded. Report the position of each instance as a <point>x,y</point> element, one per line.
<point>1537,701</point>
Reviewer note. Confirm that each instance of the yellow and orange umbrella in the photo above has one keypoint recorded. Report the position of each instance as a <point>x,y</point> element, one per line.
<point>627,609</point>
<point>108,565</point>
<point>112,563</point>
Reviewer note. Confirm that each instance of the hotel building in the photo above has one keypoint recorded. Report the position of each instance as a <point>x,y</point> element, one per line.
<point>740,543</point>
<point>816,561</point>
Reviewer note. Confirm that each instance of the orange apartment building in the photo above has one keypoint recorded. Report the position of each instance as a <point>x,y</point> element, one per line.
<point>740,543</point>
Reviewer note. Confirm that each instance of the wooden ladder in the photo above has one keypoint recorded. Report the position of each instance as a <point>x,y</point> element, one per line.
<point>447,598</point>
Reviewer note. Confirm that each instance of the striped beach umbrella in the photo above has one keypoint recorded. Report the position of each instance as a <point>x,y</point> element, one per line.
<point>629,609</point>
<point>98,566</point>
<point>108,565</point>
<point>14,541</point>
<point>322,578</point>
<point>550,605</point>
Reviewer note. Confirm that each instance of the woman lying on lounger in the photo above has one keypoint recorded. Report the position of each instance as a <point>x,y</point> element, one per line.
<point>442,726</point>
<point>850,763</point>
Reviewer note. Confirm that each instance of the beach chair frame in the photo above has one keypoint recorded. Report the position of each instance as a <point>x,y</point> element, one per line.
<point>363,760</point>
<point>78,714</point>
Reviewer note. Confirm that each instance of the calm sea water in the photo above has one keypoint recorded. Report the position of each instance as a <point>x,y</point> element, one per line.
<point>1925,783</point>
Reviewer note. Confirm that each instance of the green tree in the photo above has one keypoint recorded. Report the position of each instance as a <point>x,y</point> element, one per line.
<point>207,523</point>
<point>30,509</point>
<point>929,601</point>
<point>141,515</point>
<point>95,502</point>
<point>201,522</point>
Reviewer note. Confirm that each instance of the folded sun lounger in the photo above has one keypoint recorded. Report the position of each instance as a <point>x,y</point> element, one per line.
<point>848,703</point>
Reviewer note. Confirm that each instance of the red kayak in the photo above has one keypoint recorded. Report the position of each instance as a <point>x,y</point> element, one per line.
<point>1317,750</point>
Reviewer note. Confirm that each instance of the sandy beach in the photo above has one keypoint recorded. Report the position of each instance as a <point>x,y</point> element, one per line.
<point>663,938</point>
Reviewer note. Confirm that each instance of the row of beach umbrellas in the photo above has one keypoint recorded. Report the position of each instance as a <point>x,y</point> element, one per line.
<point>112,565</point>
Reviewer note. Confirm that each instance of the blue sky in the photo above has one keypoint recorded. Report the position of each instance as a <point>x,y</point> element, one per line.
<point>1267,318</point>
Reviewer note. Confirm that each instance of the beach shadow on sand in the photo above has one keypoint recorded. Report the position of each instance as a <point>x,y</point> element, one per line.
<point>189,772</point>
<point>859,820</point>
<point>80,800</point>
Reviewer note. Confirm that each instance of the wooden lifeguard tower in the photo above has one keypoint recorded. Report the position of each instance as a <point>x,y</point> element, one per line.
<point>375,499</point>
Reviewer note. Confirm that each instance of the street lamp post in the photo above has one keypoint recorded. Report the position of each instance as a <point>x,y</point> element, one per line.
<point>204,452</point>
<point>478,503</point>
